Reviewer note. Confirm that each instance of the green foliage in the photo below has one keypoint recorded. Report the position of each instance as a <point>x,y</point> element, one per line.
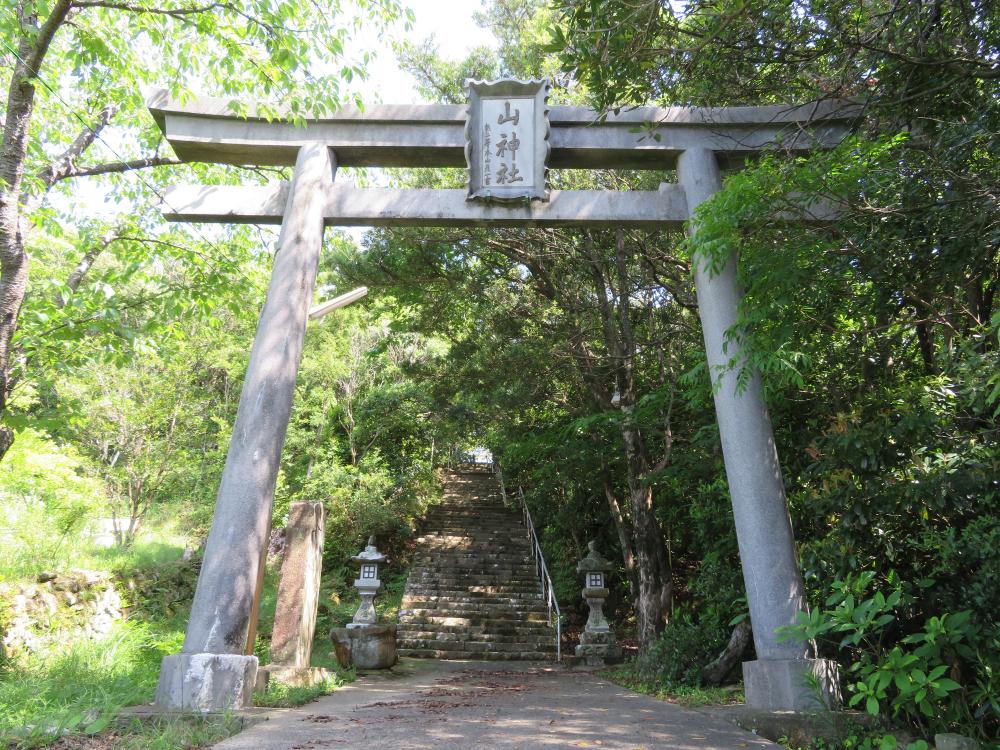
<point>865,740</point>
<point>685,695</point>
<point>47,498</point>
<point>908,677</point>
<point>685,646</point>
<point>159,591</point>
<point>280,695</point>
<point>172,733</point>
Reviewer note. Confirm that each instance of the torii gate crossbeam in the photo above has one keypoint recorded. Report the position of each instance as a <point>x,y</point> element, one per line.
<point>212,672</point>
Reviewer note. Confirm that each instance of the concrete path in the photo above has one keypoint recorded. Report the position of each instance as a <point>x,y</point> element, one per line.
<point>479,706</point>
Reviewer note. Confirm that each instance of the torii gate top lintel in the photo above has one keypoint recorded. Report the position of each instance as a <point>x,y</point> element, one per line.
<point>432,135</point>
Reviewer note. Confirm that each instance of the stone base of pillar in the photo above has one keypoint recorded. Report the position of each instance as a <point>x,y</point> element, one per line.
<point>792,684</point>
<point>294,676</point>
<point>206,683</point>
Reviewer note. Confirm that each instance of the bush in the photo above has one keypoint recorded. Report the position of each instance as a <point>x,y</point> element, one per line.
<point>683,648</point>
<point>911,676</point>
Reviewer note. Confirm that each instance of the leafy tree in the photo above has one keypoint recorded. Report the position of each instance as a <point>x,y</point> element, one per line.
<point>73,73</point>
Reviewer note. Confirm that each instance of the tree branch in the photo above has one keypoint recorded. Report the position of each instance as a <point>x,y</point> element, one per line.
<point>133,8</point>
<point>64,166</point>
<point>117,167</point>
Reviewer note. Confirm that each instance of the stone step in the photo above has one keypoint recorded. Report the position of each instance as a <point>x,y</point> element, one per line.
<point>495,611</point>
<point>473,590</point>
<point>469,619</point>
<point>479,551</point>
<point>464,562</point>
<point>511,628</point>
<point>427,653</point>
<point>472,527</point>
<point>450,580</point>
<point>522,590</point>
<point>500,544</point>
<point>473,546</point>
<point>521,611</point>
<point>452,568</point>
<point>499,555</point>
<point>475,646</point>
<point>533,638</point>
<point>486,597</point>
<point>452,603</point>
<point>466,530</point>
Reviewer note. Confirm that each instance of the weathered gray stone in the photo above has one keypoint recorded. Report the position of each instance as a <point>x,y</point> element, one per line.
<point>298,589</point>
<point>347,205</point>
<point>387,135</point>
<point>788,684</point>
<point>598,648</point>
<point>367,584</point>
<point>775,591</point>
<point>597,642</point>
<point>371,647</point>
<point>223,601</point>
<point>948,741</point>
<point>205,683</point>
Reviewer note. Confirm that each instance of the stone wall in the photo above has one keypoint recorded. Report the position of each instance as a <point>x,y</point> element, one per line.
<point>31,615</point>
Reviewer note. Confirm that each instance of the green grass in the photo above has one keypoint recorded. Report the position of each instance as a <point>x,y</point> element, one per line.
<point>171,734</point>
<point>684,695</point>
<point>79,685</point>
<point>286,696</point>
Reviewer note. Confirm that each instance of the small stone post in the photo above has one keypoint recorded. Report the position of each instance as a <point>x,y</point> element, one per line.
<point>777,680</point>
<point>212,673</point>
<point>597,643</point>
<point>298,600</point>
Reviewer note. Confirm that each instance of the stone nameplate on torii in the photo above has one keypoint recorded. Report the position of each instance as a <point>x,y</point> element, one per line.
<point>507,145</point>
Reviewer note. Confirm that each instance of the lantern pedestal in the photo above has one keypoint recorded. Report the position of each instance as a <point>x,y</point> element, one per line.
<point>366,615</point>
<point>598,645</point>
<point>365,647</point>
<point>598,649</point>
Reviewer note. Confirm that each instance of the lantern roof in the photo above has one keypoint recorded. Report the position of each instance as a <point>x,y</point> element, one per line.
<point>594,562</point>
<point>369,554</point>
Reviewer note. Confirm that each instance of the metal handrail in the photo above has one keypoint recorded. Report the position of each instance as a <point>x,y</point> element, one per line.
<point>548,590</point>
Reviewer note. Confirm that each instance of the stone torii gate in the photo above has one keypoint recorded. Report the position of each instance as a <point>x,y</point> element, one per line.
<point>212,671</point>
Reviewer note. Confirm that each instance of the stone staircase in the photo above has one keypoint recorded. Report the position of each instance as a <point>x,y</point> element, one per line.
<point>473,592</point>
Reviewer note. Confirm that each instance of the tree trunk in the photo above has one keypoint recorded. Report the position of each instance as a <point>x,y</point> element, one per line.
<point>715,671</point>
<point>655,586</point>
<point>34,43</point>
<point>625,534</point>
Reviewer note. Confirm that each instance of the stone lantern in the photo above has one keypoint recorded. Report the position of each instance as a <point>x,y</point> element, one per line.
<point>597,642</point>
<point>367,584</point>
<point>364,643</point>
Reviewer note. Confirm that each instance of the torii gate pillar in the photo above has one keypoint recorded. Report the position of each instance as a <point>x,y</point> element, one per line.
<point>212,673</point>
<point>777,680</point>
